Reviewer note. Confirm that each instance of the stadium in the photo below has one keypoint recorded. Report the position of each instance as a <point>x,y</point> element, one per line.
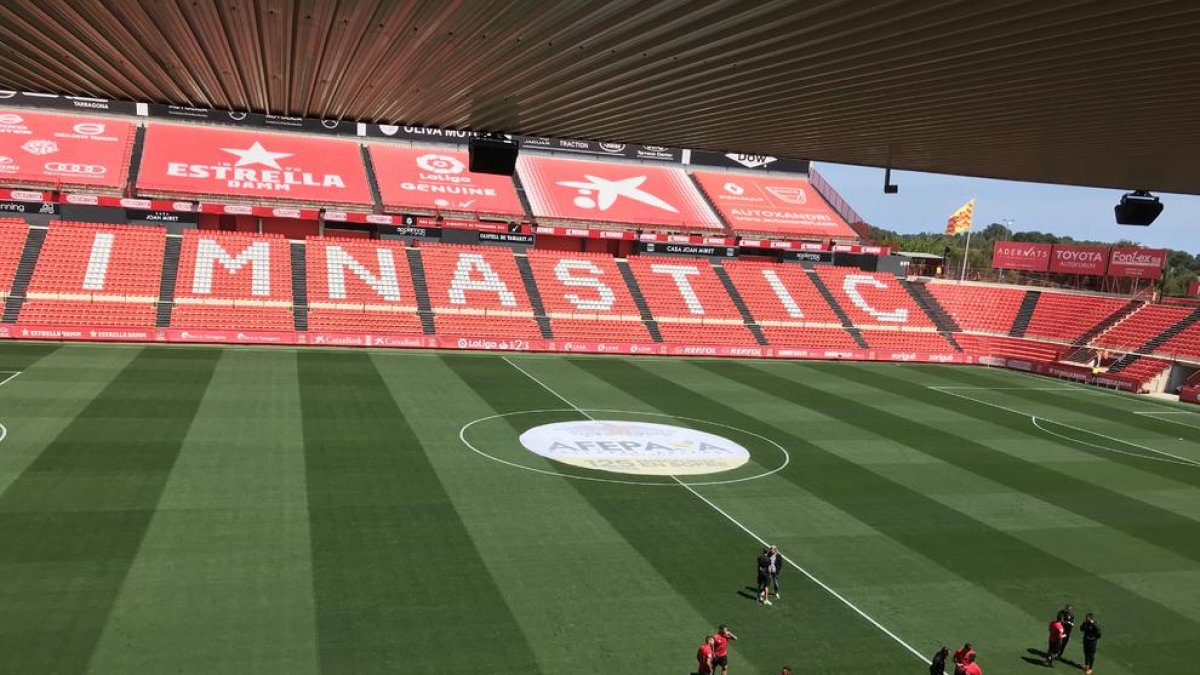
<point>297,377</point>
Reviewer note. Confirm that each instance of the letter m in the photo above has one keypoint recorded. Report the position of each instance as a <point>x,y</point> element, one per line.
<point>209,252</point>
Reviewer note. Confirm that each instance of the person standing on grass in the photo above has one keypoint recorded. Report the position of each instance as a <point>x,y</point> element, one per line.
<point>1066,616</point>
<point>764,577</point>
<point>720,642</point>
<point>961,655</point>
<point>1054,642</point>
<point>776,566</point>
<point>970,667</point>
<point>1091,634</point>
<point>937,665</point>
<point>787,670</point>
<point>704,657</point>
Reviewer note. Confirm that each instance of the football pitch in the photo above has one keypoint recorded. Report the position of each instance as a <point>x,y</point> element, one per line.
<point>239,510</point>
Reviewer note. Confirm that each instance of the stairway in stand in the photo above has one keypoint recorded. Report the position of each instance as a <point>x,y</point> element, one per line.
<point>421,289</point>
<point>643,308</point>
<point>945,323</point>
<point>1025,314</point>
<point>29,256</point>
<point>299,287</point>
<point>166,290</point>
<point>535,298</point>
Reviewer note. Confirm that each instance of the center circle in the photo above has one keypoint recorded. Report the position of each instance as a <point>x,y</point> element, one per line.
<point>640,448</point>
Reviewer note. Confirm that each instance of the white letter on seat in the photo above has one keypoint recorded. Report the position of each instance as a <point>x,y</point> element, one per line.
<point>97,267</point>
<point>491,283</point>
<point>680,274</point>
<point>257,254</point>
<point>781,292</point>
<point>563,271</point>
<point>337,260</point>
<point>851,284</point>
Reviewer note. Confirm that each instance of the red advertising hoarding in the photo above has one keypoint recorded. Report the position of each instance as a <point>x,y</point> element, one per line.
<point>1144,263</point>
<point>1017,255</point>
<point>251,164</point>
<point>776,205</point>
<point>637,194</point>
<point>63,150</point>
<point>1091,260</point>
<point>438,180</point>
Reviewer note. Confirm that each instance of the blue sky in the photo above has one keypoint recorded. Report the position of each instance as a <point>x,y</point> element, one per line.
<point>926,200</point>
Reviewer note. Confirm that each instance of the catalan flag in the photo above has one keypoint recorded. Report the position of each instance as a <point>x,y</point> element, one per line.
<point>960,220</point>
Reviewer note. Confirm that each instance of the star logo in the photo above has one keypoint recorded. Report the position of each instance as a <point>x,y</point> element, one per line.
<point>601,193</point>
<point>257,154</point>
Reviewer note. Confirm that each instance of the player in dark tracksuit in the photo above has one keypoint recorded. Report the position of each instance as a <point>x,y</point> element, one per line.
<point>937,665</point>
<point>1066,616</point>
<point>1091,634</point>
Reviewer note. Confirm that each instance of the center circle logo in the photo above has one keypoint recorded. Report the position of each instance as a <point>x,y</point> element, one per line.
<point>641,448</point>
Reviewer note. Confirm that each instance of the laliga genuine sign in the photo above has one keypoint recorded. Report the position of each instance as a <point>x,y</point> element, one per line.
<point>200,160</point>
<point>635,447</point>
<point>438,180</point>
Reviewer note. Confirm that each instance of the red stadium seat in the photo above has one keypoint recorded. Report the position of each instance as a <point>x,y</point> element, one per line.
<point>689,301</point>
<point>359,285</point>
<point>477,291</point>
<point>1066,316</point>
<point>977,308</point>
<point>13,232</point>
<point>787,306</point>
<point>585,297</point>
<point>233,280</point>
<point>96,274</point>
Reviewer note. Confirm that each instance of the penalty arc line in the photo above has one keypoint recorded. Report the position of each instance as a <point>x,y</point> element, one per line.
<point>747,530</point>
<point>1174,459</point>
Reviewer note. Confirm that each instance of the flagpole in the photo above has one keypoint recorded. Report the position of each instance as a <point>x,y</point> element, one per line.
<point>966,254</point>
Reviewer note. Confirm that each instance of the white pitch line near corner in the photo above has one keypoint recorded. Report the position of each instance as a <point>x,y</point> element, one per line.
<point>748,531</point>
<point>1174,459</point>
<point>11,375</point>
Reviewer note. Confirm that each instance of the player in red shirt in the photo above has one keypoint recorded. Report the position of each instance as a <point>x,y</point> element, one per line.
<point>969,667</point>
<point>1054,647</point>
<point>704,656</point>
<point>720,641</point>
<point>961,656</point>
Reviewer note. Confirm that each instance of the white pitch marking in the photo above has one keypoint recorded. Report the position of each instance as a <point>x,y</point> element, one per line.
<point>1153,414</point>
<point>1034,418</point>
<point>462,436</point>
<point>1006,388</point>
<point>750,532</point>
<point>11,374</point>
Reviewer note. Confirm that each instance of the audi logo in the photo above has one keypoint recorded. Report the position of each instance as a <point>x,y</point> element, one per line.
<point>87,169</point>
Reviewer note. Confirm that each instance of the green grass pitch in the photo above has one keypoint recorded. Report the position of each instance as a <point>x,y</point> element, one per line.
<point>224,510</point>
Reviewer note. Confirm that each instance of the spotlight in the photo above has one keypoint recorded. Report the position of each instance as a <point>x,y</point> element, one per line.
<point>1137,208</point>
<point>492,154</point>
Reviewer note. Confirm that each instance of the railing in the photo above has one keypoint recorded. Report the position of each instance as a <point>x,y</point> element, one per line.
<point>837,203</point>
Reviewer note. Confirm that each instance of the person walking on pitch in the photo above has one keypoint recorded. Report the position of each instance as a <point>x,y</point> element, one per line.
<point>720,642</point>
<point>764,577</point>
<point>937,665</point>
<point>1091,634</point>
<point>1054,642</point>
<point>961,655</point>
<point>1066,616</point>
<point>776,567</point>
<point>704,657</point>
